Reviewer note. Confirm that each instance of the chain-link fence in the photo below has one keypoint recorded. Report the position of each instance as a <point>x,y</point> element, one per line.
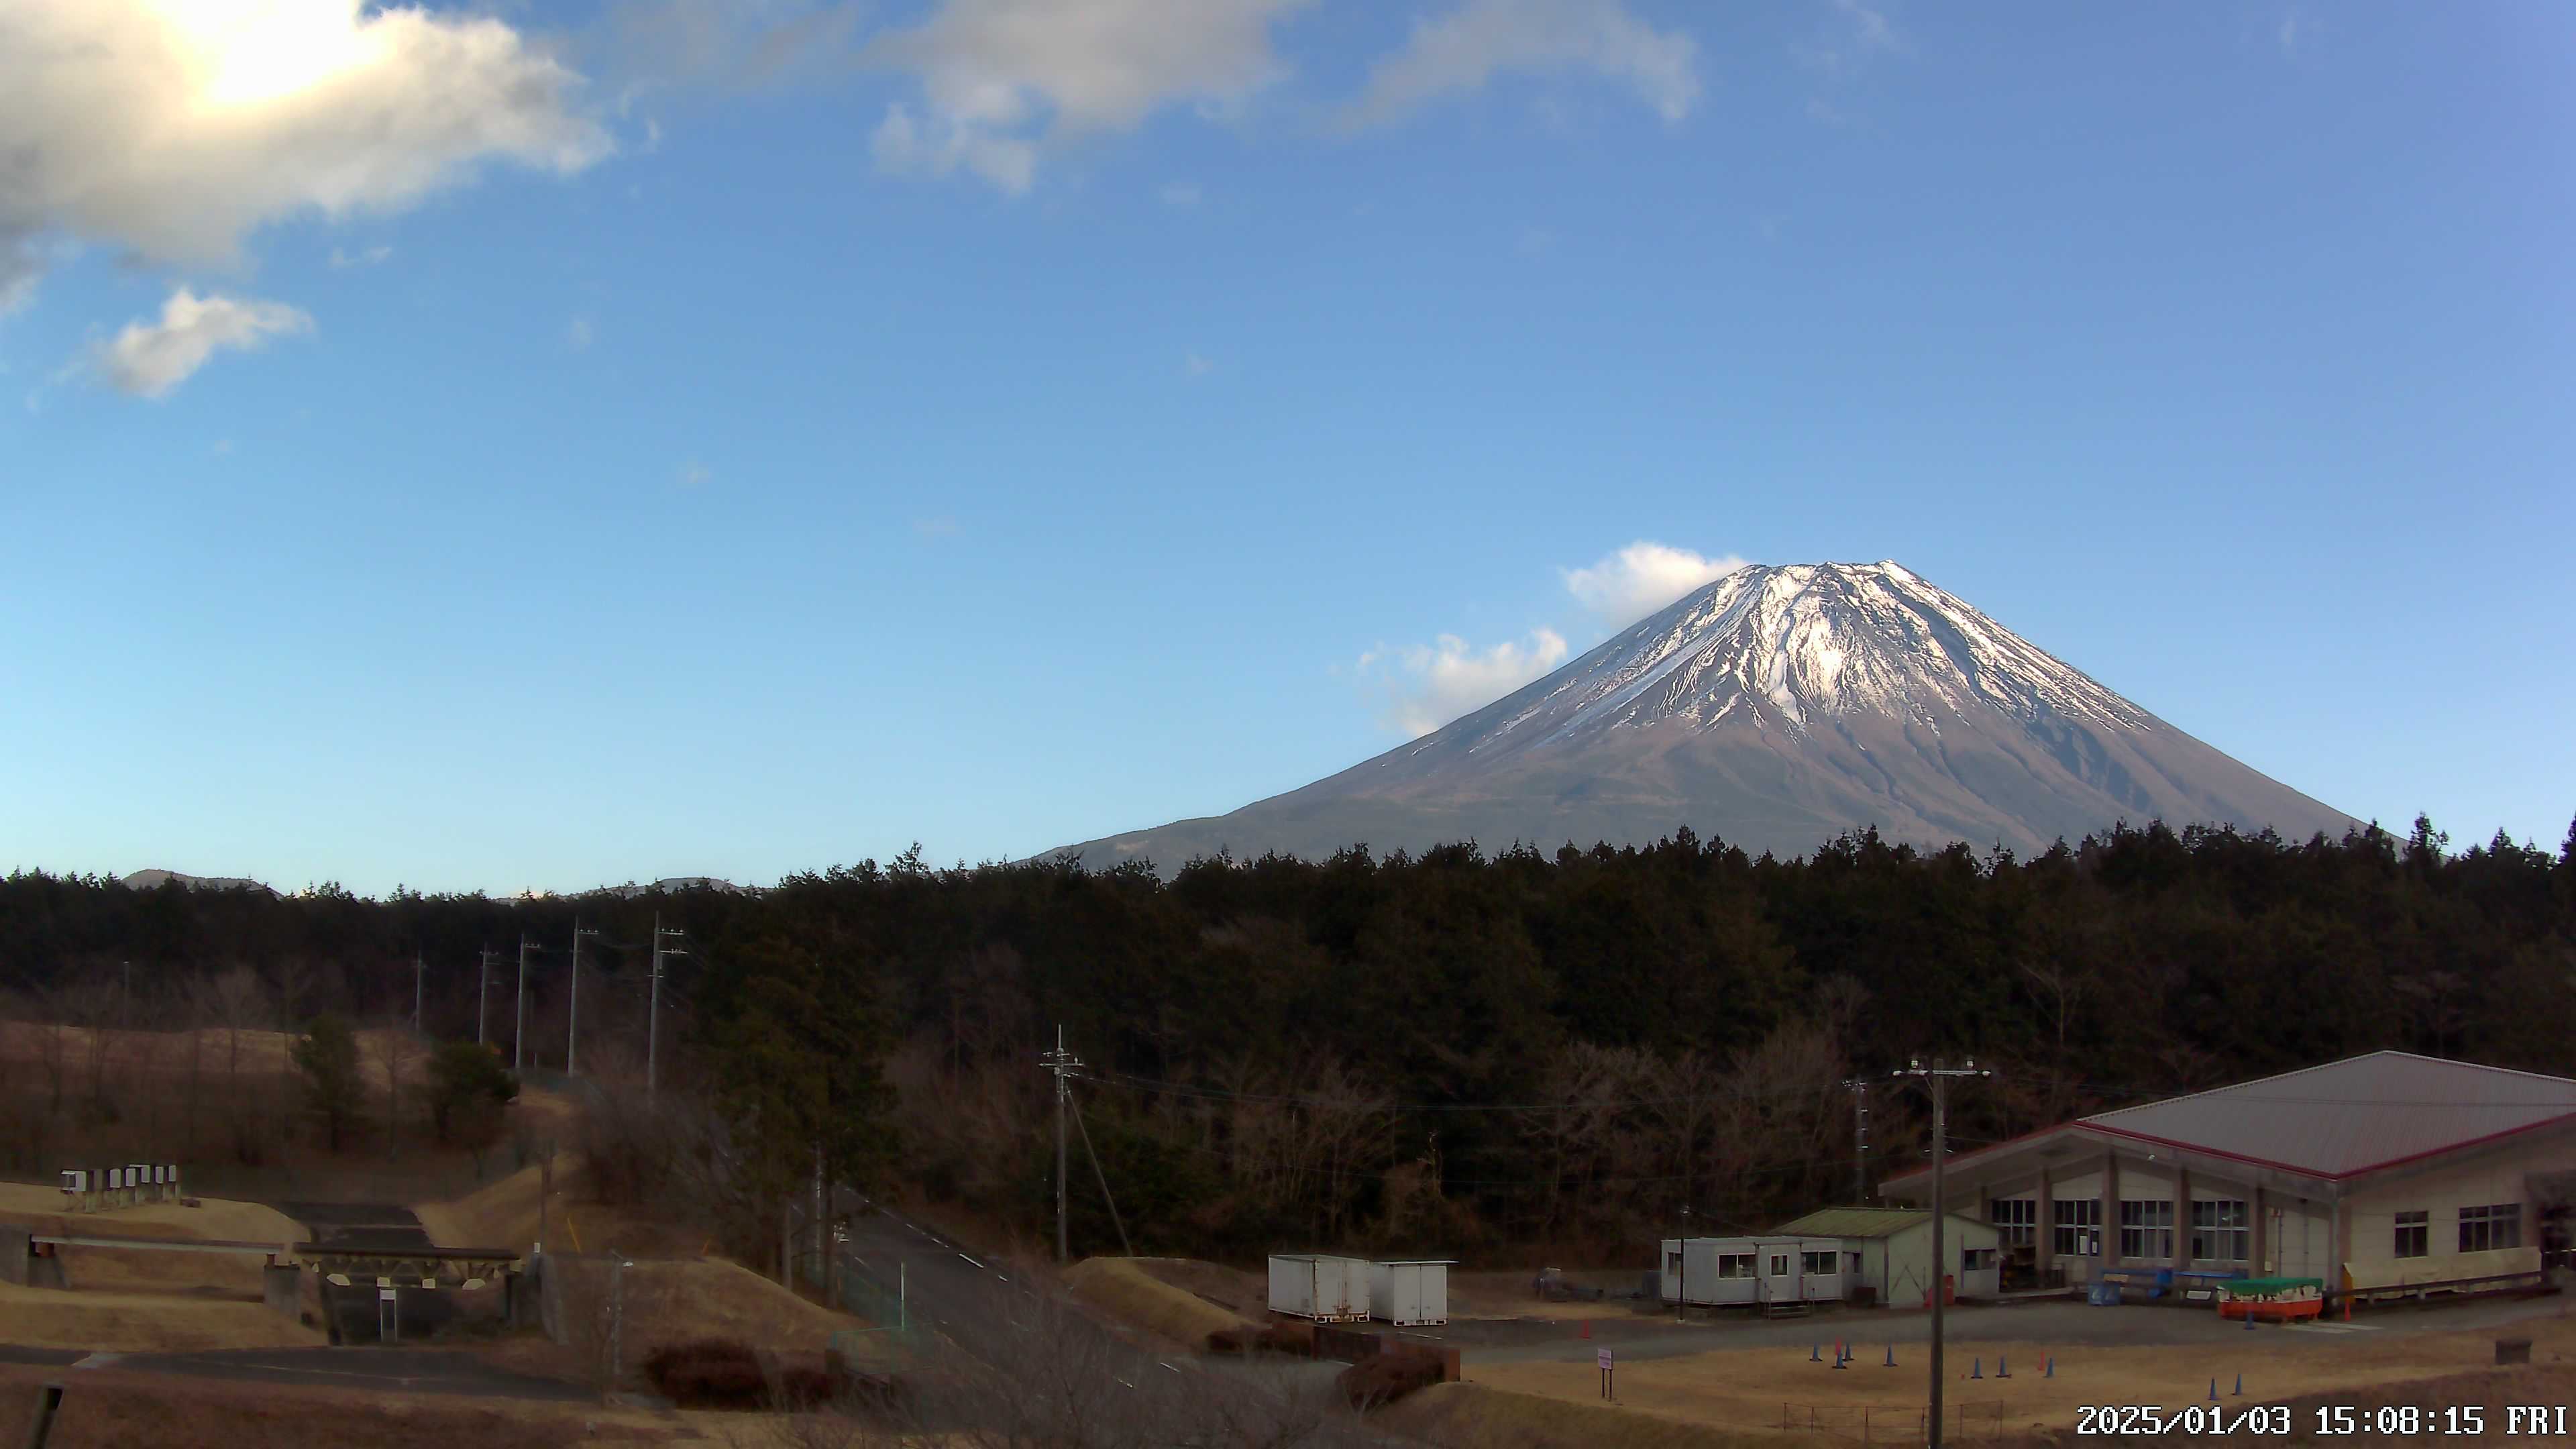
<point>887,1307</point>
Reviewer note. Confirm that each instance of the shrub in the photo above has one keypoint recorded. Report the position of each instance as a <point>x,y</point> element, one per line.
<point>709,1373</point>
<point>1385,1377</point>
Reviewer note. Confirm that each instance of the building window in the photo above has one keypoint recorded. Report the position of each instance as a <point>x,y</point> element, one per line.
<point>1977,1259</point>
<point>1851,1263</point>
<point>1673,1265</point>
<point>1735,1265</point>
<point>2413,1235</point>
<point>2146,1229</point>
<point>2016,1219</point>
<point>1819,1263</point>
<point>2079,1228</point>
<point>2482,1228</point>
<point>2219,1232</point>
<point>1779,1265</point>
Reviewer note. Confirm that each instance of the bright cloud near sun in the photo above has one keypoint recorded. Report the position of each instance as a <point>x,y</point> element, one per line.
<point>176,127</point>
<point>1641,578</point>
<point>1428,686</point>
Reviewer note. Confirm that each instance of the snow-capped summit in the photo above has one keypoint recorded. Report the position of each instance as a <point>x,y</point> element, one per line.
<point>1803,644</point>
<point>1775,707</point>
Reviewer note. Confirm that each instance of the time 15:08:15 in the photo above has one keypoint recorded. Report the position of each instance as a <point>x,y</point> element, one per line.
<point>2461,1419</point>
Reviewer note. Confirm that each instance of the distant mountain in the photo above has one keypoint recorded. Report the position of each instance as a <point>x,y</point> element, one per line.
<point>152,880</point>
<point>1776,708</point>
<point>672,884</point>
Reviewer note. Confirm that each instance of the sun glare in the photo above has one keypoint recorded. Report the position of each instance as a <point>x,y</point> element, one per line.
<point>247,52</point>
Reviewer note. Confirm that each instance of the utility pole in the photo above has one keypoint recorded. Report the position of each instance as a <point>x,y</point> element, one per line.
<point>483,995</point>
<point>1939,1076</point>
<point>1860,1140</point>
<point>519,1033</point>
<point>1681,1294</point>
<point>419,988</point>
<point>572,1033</point>
<point>653,1017</point>
<point>1064,1064</point>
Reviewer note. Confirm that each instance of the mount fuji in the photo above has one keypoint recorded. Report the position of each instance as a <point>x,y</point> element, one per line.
<point>1774,708</point>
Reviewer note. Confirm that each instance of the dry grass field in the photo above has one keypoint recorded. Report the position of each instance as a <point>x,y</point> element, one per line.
<point>1135,1291</point>
<point>143,1271</point>
<point>1753,1389</point>
<point>228,1106</point>
<point>505,1214</point>
<point>142,1322</point>
<point>1475,1416</point>
<point>109,1409</point>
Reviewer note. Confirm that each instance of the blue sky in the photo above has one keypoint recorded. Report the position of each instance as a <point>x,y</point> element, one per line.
<point>564,443</point>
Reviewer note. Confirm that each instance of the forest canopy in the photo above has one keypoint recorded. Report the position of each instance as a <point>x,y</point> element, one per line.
<point>1457,1050</point>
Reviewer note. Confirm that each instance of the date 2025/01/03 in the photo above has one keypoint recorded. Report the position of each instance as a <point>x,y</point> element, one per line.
<point>2465,1420</point>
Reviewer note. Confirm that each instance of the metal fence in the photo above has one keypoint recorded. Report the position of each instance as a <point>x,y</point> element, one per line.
<point>888,1306</point>
<point>1863,1424</point>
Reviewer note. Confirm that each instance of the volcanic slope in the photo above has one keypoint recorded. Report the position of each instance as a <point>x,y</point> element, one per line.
<point>1774,708</point>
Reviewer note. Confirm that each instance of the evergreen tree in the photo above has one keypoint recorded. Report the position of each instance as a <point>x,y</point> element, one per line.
<point>327,1055</point>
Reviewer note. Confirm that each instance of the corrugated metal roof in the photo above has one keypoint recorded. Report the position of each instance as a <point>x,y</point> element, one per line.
<point>1853,1222</point>
<point>1857,1222</point>
<point>2353,1115</point>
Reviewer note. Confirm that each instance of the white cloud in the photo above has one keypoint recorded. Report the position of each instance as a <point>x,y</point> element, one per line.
<point>20,269</point>
<point>904,147</point>
<point>1427,687</point>
<point>1641,578</point>
<point>721,44</point>
<point>1180,194</point>
<point>176,129</point>
<point>371,257</point>
<point>999,77</point>
<point>149,359</point>
<point>1841,51</point>
<point>1195,365</point>
<point>694,473</point>
<point>577,334</point>
<point>1870,28</point>
<point>1463,49</point>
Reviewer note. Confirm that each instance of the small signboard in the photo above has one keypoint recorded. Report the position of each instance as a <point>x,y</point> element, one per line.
<point>1602,1357</point>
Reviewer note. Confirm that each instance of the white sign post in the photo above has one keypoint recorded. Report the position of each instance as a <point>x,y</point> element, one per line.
<point>1602,1357</point>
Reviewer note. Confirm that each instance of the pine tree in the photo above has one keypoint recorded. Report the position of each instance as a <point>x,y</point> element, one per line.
<point>327,1055</point>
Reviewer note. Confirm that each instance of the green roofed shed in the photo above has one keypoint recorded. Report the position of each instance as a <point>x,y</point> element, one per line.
<point>1888,1251</point>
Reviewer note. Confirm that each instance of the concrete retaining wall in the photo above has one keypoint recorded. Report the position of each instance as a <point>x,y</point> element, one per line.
<point>282,1289</point>
<point>17,1255</point>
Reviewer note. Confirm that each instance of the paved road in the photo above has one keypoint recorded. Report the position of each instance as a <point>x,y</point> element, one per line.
<point>359,1224</point>
<point>386,1370</point>
<point>2054,1322</point>
<point>950,1290</point>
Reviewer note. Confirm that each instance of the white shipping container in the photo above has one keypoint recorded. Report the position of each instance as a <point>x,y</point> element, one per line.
<point>1410,1293</point>
<point>1317,1286</point>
